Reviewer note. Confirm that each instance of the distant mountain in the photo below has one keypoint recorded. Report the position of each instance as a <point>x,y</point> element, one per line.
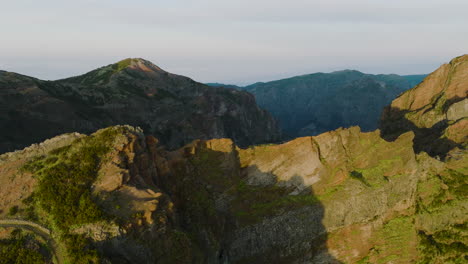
<point>224,85</point>
<point>174,108</point>
<point>315,103</point>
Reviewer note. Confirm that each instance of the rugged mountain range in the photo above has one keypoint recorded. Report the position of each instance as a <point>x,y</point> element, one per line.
<point>344,196</point>
<point>174,108</point>
<point>312,104</point>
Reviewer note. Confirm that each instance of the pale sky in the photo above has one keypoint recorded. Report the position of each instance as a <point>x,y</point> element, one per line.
<point>236,41</point>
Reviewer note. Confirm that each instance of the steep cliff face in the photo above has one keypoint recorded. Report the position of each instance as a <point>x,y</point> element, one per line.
<point>305,201</point>
<point>436,110</point>
<point>174,108</point>
<point>315,103</point>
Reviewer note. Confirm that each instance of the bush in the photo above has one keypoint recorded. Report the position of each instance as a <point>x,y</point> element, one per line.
<point>65,179</point>
<point>13,210</point>
<point>80,249</point>
<point>14,251</point>
<point>64,189</point>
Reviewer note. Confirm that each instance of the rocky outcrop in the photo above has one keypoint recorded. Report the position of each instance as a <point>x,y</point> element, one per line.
<point>173,108</point>
<point>305,201</point>
<point>436,110</point>
<point>311,104</point>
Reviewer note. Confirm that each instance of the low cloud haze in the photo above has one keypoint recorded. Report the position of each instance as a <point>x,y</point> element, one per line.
<point>232,41</point>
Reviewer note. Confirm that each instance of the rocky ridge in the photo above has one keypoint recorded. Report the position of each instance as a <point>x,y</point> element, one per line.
<point>436,110</point>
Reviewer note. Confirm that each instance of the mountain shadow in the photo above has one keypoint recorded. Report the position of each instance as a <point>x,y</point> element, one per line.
<point>223,215</point>
<point>276,222</point>
<point>435,110</point>
<point>430,140</point>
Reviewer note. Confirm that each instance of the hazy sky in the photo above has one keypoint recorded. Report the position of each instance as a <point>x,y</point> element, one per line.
<point>235,41</point>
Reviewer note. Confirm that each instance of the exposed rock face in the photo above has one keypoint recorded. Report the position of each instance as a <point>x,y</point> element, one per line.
<point>174,108</point>
<point>436,110</point>
<point>315,103</point>
<point>343,196</point>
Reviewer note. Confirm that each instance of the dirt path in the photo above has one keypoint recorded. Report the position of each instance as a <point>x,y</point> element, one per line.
<point>38,230</point>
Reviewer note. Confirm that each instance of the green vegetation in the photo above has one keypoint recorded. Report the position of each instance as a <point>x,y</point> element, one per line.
<point>13,210</point>
<point>101,75</point>
<point>364,260</point>
<point>432,251</point>
<point>80,249</point>
<point>440,200</point>
<point>15,250</point>
<point>29,212</point>
<point>376,176</point>
<point>119,66</point>
<point>63,192</point>
<point>65,180</point>
<point>442,190</point>
<point>395,241</point>
<point>440,106</point>
<point>330,192</point>
<point>398,235</point>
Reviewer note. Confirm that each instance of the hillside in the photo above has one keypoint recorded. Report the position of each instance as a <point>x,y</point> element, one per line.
<point>174,108</point>
<point>307,200</point>
<point>436,110</point>
<point>344,196</point>
<point>315,103</point>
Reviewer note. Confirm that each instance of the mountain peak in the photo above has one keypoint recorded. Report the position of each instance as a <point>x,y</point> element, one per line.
<point>136,64</point>
<point>104,74</point>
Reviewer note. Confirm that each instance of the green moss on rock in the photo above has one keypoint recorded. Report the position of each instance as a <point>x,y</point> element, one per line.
<point>441,218</point>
